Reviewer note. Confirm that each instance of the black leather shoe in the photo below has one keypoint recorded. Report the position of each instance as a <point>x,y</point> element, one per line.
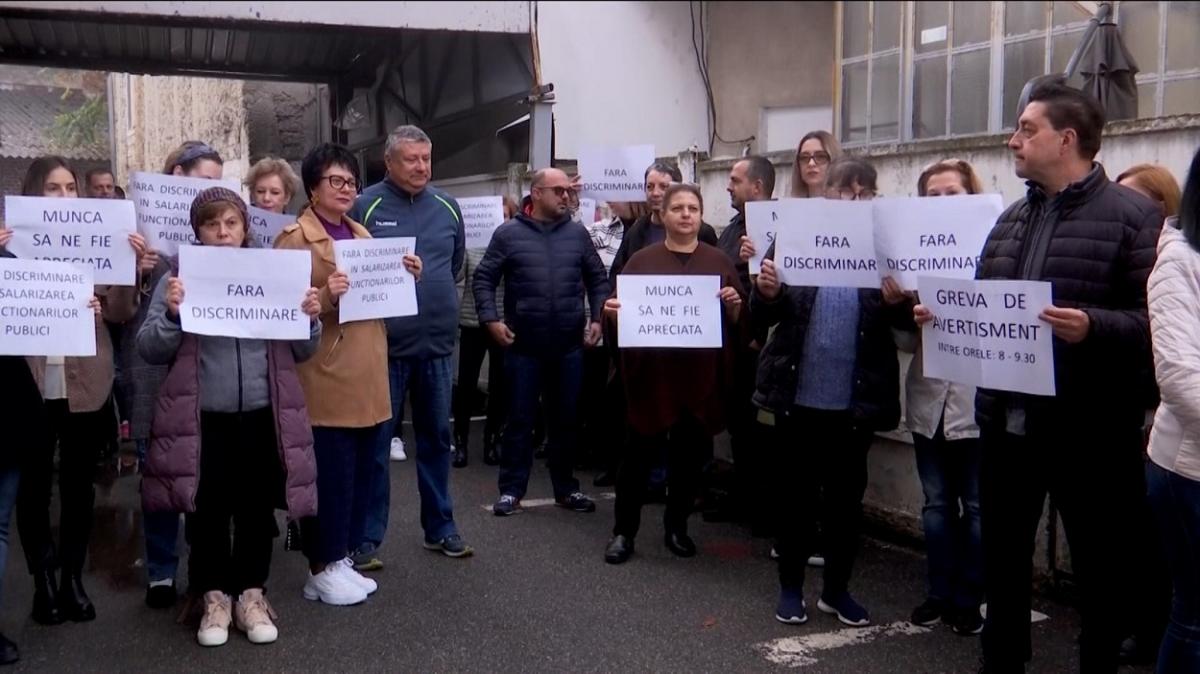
<point>491,450</point>
<point>8,651</point>
<point>619,550</point>
<point>73,600</point>
<point>45,599</point>
<point>460,459</point>
<point>161,596</point>
<point>605,479</point>
<point>681,545</point>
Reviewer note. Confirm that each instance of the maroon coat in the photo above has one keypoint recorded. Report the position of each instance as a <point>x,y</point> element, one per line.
<point>173,461</point>
<point>663,384</point>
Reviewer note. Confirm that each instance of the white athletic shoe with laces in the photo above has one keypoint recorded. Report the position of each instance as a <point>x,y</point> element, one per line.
<point>368,585</point>
<point>332,586</point>
<point>253,615</point>
<point>214,625</point>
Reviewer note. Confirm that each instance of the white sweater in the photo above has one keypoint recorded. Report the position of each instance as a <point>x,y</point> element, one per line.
<point>1174,299</point>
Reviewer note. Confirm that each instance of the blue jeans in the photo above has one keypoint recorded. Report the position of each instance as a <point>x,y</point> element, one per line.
<point>162,537</point>
<point>430,382</point>
<point>556,380</point>
<point>10,478</point>
<point>949,473</point>
<point>1175,500</point>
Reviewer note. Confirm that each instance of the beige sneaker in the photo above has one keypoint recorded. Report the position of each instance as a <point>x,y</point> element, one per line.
<point>254,614</point>
<point>214,626</point>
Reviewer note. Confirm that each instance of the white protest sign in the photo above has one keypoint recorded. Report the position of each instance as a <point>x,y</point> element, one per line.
<point>44,309</point>
<point>380,285</point>
<point>615,173</point>
<point>587,211</point>
<point>925,235</point>
<point>826,243</point>
<point>247,293</point>
<point>88,233</point>
<point>481,217</point>
<point>674,311</point>
<point>164,205</point>
<point>266,225</point>
<point>988,334</point>
<point>761,224</point>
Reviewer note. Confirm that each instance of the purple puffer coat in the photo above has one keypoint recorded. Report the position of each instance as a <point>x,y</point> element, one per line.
<point>173,461</point>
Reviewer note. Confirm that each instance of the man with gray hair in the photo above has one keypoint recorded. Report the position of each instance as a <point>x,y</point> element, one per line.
<point>420,347</point>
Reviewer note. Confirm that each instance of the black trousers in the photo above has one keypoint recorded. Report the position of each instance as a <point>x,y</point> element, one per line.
<point>601,416</point>
<point>240,483</point>
<point>473,345</point>
<point>688,447</point>
<point>1092,476</point>
<point>80,437</point>
<point>820,475</point>
<point>750,442</point>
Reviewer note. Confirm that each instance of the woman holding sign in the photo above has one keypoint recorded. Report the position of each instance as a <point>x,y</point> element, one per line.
<point>76,393</point>
<point>676,396</point>
<point>830,375</point>
<point>941,416</point>
<point>346,384</point>
<point>230,440</point>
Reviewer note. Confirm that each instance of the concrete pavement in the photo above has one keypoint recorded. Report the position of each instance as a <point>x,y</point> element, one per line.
<point>537,596</point>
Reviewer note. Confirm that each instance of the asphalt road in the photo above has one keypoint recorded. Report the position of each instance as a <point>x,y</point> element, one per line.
<point>536,597</point>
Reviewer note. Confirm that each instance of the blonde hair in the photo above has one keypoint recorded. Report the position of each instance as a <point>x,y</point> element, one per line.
<point>831,146</point>
<point>1159,182</point>
<point>970,181</point>
<point>271,166</point>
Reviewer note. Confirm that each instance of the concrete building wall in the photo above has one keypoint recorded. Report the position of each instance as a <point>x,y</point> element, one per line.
<point>153,115</point>
<point>773,55</point>
<point>623,73</point>
<point>284,119</point>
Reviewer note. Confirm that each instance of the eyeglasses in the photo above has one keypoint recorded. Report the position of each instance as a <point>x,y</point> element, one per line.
<point>847,194</point>
<point>558,191</point>
<point>818,158</point>
<point>339,183</point>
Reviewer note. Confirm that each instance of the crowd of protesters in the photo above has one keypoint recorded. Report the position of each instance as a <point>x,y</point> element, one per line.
<point>232,429</point>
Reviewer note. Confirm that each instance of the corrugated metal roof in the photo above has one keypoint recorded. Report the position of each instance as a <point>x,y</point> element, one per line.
<point>26,116</point>
<point>181,46</point>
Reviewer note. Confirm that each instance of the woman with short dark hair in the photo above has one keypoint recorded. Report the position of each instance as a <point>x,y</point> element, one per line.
<point>346,383</point>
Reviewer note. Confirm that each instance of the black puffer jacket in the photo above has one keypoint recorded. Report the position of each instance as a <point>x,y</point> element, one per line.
<point>546,268</point>
<point>1095,242</point>
<point>875,402</point>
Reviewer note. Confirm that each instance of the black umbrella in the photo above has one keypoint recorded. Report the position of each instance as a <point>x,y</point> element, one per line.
<point>1106,65</point>
<point>1108,73</point>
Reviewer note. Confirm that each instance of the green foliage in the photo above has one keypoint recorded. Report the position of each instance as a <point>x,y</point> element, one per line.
<point>83,126</point>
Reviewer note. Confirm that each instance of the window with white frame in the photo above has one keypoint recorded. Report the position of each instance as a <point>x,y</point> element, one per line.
<point>936,69</point>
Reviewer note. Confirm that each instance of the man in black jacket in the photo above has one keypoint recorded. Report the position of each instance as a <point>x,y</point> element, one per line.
<point>547,262</point>
<point>750,179</point>
<point>1094,241</point>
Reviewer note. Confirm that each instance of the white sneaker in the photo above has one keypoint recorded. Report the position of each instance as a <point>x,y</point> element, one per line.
<point>333,587</point>
<point>253,616</point>
<point>398,450</point>
<point>360,580</point>
<point>214,626</point>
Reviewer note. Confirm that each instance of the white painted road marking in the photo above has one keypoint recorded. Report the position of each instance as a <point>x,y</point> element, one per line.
<point>800,651</point>
<point>543,502</point>
<point>1034,616</point>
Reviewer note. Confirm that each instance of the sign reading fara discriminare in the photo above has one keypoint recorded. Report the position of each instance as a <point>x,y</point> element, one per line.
<point>44,309</point>
<point>988,334</point>
<point>88,233</point>
<point>673,311</point>
<point>941,236</point>
<point>833,243</point>
<point>615,173</point>
<point>380,285</point>
<point>247,293</point>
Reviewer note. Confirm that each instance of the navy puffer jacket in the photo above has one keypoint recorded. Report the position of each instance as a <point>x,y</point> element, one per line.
<point>546,268</point>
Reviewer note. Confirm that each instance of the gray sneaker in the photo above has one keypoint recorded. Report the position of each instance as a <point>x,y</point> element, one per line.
<point>366,559</point>
<point>507,505</point>
<point>451,546</point>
